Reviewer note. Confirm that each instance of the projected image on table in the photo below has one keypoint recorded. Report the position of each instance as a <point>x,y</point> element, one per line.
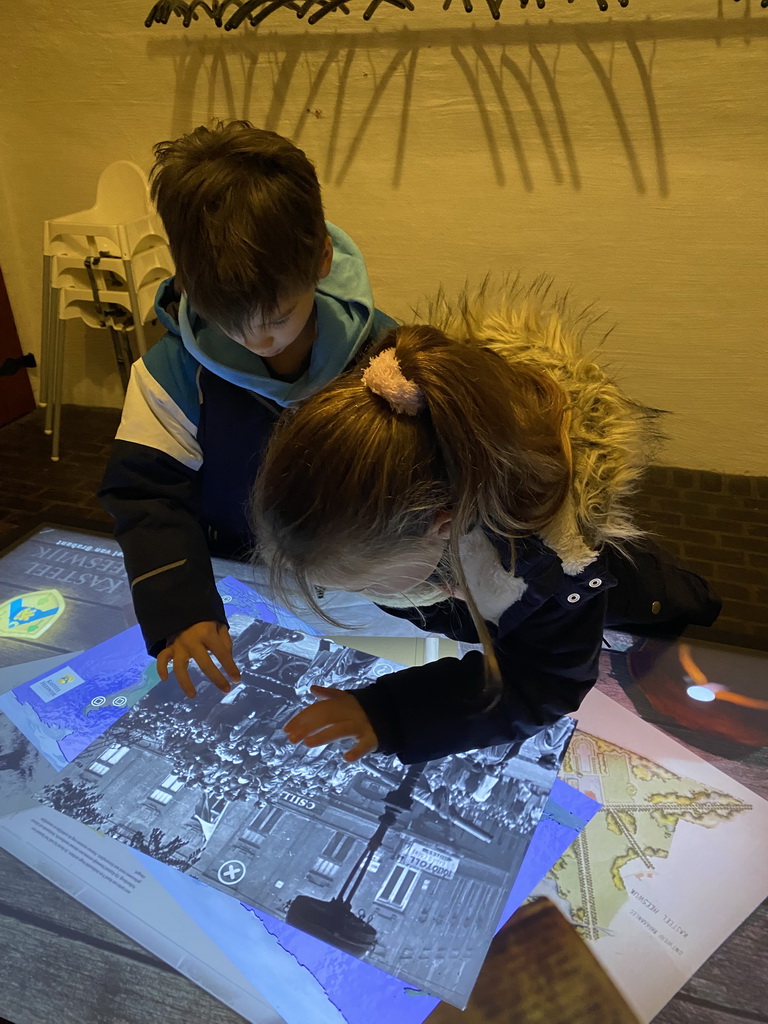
<point>60,591</point>
<point>408,868</point>
<point>63,710</point>
<point>66,590</point>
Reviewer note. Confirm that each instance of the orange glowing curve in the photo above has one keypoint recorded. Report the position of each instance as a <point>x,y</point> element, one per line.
<point>690,666</point>
<point>695,673</point>
<point>739,698</point>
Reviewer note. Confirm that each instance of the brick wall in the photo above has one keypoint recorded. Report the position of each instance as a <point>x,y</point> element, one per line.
<point>718,525</point>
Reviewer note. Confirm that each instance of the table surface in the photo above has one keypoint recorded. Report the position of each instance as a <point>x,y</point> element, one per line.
<point>62,964</point>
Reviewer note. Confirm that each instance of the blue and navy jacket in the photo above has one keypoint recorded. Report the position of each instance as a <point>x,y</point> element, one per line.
<point>198,413</point>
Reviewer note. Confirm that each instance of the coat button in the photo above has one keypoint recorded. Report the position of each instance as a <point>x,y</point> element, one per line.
<point>596,582</point>
<point>573,598</point>
<point>656,607</point>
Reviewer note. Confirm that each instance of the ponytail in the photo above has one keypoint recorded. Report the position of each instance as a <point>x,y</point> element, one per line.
<point>500,429</point>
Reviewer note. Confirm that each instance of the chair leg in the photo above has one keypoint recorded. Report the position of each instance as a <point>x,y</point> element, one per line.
<point>55,333</point>
<point>58,384</point>
<point>45,336</point>
<point>123,354</point>
<point>138,326</point>
<point>128,356</point>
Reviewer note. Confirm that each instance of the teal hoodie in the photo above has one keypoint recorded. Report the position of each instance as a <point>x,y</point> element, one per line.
<point>169,516</point>
<point>346,317</point>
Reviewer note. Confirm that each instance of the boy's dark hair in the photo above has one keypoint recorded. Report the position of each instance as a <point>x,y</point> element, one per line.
<point>244,217</point>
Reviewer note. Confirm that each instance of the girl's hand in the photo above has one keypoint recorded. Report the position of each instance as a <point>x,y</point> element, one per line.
<point>197,644</point>
<point>336,716</point>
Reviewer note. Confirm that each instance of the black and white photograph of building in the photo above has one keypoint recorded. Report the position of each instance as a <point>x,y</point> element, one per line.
<point>406,867</point>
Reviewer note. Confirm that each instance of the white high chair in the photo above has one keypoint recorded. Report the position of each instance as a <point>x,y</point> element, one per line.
<point>103,266</point>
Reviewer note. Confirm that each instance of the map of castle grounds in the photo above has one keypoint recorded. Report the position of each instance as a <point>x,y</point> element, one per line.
<point>646,883</point>
<point>643,804</point>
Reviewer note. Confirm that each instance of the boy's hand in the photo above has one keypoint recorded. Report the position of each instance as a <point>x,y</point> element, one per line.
<point>336,716</point>
<point>197,644</point>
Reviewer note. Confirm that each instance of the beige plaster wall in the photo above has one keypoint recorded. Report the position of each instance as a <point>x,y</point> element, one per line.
<point>625,153</point>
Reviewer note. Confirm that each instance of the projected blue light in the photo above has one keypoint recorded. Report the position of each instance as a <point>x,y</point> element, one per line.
<point>700,693</point>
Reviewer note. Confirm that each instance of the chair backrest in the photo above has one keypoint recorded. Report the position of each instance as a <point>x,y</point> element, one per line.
<point>121,223</point>
<point>122,194</point>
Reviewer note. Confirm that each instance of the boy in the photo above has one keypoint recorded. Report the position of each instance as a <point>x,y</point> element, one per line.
<point>269,304</point>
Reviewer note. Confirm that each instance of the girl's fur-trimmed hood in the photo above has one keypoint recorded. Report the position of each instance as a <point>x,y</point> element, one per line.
<point>611,437</point>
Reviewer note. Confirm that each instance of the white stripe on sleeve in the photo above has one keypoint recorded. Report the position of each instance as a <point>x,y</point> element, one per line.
<point>151,417</point>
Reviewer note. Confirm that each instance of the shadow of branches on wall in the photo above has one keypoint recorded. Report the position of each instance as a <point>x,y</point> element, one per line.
<point>507,73</point>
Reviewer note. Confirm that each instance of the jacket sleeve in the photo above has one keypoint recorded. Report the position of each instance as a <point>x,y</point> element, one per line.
<point>151,489</point>
<point>548,663</point>
<point>655,594</point>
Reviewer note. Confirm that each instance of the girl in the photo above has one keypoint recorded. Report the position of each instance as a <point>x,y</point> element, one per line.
<point>471,476</point>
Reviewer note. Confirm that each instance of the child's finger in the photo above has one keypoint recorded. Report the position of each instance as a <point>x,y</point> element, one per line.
<point>312,717</point>
<point>162,663</point>
<point>208,668</point>
<point>312,727</point>
<point>361,748</point>
<point>297,723</point>
<point>222,651</point>
<point>325,692</point>
<point>181,671</point>
<point>315,718</point>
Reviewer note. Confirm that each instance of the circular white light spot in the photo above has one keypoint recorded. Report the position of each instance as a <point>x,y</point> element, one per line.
<point>700,693</point>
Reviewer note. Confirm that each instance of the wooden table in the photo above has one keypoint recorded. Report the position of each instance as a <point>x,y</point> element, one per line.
<point>61,964</point>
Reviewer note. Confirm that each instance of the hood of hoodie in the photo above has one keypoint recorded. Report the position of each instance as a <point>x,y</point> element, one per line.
<point>344,304</point>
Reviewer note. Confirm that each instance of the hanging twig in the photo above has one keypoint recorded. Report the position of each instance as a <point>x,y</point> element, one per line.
<point>256,11</point>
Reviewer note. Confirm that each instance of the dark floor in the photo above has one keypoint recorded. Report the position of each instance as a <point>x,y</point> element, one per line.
<point>717,524</point>
<point>32,488</point>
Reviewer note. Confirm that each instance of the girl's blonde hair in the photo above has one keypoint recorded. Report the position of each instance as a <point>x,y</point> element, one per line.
<point>516,426</point>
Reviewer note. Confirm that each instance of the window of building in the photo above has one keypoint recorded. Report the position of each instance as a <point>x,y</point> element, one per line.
<point>124,832</point>
<point>217,808</point>
<point>338,846</point>
<point>325,868</point>
<point>333,856</point>
<point>398,888</point>
<point>164,793</point>
<point>110,756</point>
<point>113,754</point>
<point>161,796</point>
<point>262,825</point>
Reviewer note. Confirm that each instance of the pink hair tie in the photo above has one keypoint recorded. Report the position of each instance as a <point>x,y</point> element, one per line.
<point>384,377</point>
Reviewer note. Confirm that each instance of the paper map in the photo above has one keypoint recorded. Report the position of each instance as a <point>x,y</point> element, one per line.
<point>672,863</point>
